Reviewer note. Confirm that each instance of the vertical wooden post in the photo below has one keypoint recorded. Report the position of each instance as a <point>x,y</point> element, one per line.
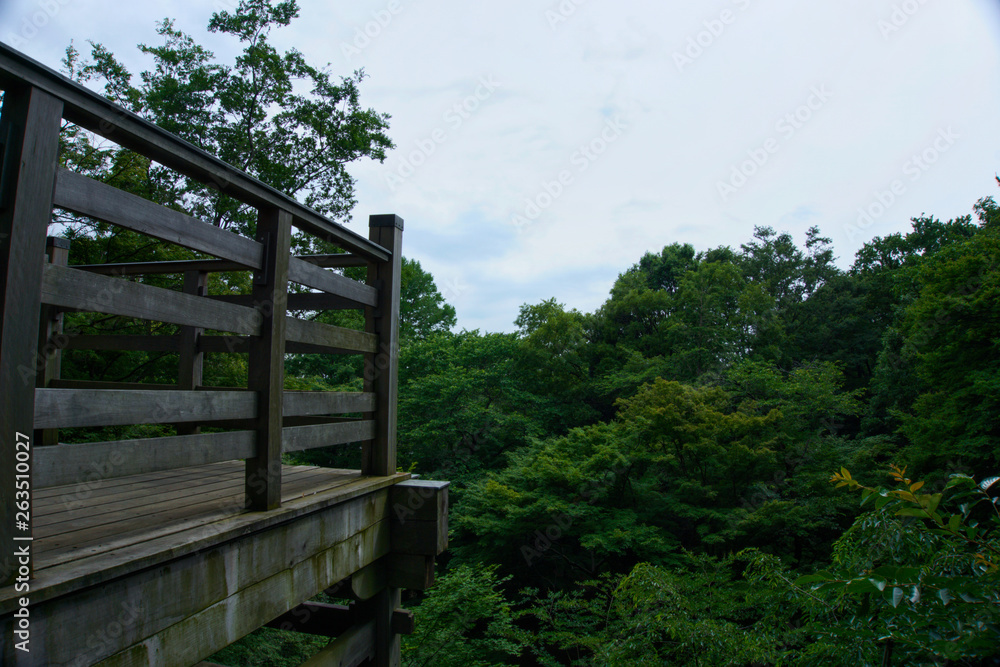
<point>50,328</point>
<point>387,644</point>
<point>29,129</point>
<point>192,360</point>
<point>267,359</point>
<point>382,367</point>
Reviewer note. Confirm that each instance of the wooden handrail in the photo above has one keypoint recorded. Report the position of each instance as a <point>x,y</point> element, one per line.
<point>93,112</point>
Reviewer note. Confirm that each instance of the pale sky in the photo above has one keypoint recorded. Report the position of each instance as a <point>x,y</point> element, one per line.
<point>543,147</point>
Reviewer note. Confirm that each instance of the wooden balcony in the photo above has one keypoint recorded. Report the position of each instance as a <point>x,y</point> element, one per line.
<point>161,551</point>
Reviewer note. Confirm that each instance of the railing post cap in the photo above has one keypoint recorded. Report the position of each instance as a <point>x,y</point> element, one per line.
<point>387,220</point>
<point>57,242</point>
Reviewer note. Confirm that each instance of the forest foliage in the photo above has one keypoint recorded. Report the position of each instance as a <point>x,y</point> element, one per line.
<point>745,456</point>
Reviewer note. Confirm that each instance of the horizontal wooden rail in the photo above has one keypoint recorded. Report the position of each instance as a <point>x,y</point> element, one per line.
<point>86,403</point>
<point>303,403</point>
<point>299,438</point>
<point>311,301</point>
<point>329,336</point>
<point>58,465</point>
<point>210,265</point>
<point>59,383</point>
<point>93,112</point>
<point>86,196</point>
<point>65,408</point>
<point>310,275</point>
<point>80,290</point>
<point>74,464</point>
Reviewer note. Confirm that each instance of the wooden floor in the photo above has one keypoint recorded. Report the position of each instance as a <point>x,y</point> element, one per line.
<point>85,534</point>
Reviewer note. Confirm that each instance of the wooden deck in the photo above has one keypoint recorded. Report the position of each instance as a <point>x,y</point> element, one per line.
<point>185,534</point>
<point>190,541</point>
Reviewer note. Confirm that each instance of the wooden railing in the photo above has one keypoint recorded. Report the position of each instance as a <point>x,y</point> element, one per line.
<point>36,402</point>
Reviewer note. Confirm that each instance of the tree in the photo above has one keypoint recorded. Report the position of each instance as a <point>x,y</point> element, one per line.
<point>422,309</point>
<point>915,579</point>
<point>253,114</point>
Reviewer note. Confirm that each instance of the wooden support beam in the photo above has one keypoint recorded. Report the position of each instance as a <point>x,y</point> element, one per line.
<point>419,515</point>
<point>402,622</point>
<point>355,646</point>
<point>318,618</point>
<point>331,620</point>
<point>382,363</point>
<point>410,571</point>
<point>267,359</point>
<point>368,581</point>
<point>29,130</point>
<point>50,330</point>
<point>387,643</point>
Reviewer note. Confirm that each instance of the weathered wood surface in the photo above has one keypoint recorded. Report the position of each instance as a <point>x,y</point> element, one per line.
<point>210,265</point>
<point>411,571</point>
<point>82,463</point>
<point>298,403</point>
<point>353,647</point>
<point>311,301</point>
<point>190,366</point>
<point>317,618</point>
<point>241,344</point>
<point>237,573</point>
<point>100,384</point>
<point>267,359</point>
<point>310,275</point>
<point>50,330</point>
<point>382,362</point>
<point>29,126</point>
<point>298,438</point>
<point>366,582</point>
<point>193,530</point>
<point>64,408</point>
<point>329,336</point>
<point>79,290</point>
<point>80,194</point>
<point>95,113</point>
<point>419,517</point>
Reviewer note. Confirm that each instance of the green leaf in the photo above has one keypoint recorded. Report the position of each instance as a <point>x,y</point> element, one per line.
<point>864,586</point>
<point>945,596</point>
<point>912,511</point>
<point>822,575</point>
<point>897,596</point>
